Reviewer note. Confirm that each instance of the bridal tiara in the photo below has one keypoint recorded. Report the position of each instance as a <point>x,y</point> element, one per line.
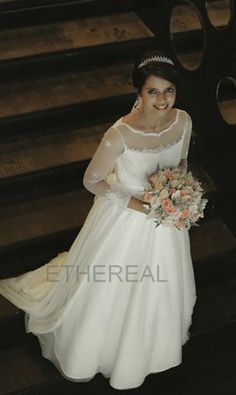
<point>155,58</point>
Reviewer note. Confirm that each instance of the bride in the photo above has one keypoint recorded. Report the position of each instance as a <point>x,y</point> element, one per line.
<point>120,301</point>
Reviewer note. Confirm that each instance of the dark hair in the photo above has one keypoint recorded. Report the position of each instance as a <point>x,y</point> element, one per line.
<point>158,69</point>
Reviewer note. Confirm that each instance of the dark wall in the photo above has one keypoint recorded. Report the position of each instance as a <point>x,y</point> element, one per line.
<point>216,138</point>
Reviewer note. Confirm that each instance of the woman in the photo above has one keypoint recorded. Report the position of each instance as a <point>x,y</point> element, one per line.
<point>121,300</point>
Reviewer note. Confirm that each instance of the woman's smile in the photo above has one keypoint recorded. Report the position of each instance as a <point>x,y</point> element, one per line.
<point>158,95</point>
<point>162,107</point>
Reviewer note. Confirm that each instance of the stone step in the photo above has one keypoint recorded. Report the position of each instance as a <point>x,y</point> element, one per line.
<point>65,90</point>
<point>44,164</point>
<point>69,35</point>
<point>33,219</point>
<point>45,50</point>
<point>38,230</point>
<point>67,99</point>
<point>34,153</point>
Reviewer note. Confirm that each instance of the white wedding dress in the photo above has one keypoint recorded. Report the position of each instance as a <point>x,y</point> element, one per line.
<point>120,301</point>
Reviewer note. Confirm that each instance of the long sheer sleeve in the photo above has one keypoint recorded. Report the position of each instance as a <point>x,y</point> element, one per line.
<point>187,137</point>
<point>186,142</point>
<point>109,149</point>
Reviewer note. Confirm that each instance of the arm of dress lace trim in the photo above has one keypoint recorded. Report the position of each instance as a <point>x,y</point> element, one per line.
<point>185,147</point>
<point>109,149</point>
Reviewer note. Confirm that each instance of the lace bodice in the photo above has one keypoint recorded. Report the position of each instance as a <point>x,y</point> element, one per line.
<point>127,156</point>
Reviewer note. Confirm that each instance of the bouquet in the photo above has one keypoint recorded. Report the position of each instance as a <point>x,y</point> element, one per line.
<point>175,198</point>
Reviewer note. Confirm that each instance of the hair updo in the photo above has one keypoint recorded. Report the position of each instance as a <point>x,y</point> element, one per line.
<point>160,69</point>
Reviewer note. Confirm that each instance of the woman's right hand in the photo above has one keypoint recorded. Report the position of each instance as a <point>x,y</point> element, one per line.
<point>137,205</point>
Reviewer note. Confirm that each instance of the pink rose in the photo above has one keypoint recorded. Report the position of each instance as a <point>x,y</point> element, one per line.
<point>167,206</point>
<point>185,213</point>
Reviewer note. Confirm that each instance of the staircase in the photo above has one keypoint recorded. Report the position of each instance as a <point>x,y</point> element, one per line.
<point>64,79</point>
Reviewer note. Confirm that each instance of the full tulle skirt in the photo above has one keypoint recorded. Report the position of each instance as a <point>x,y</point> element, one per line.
<point>119,302</point>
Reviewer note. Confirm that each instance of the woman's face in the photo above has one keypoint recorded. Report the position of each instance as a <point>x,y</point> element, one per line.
<point>158,95</point>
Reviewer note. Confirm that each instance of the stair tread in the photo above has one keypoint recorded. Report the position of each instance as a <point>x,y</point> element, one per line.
<point>29,220</point>
<point>65,90</point>
<point>68,35</point>
<point>35,153</point>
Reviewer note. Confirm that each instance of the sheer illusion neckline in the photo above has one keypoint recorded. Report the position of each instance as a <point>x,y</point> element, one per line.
<point>155,150</point>
<point>152,133</point>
